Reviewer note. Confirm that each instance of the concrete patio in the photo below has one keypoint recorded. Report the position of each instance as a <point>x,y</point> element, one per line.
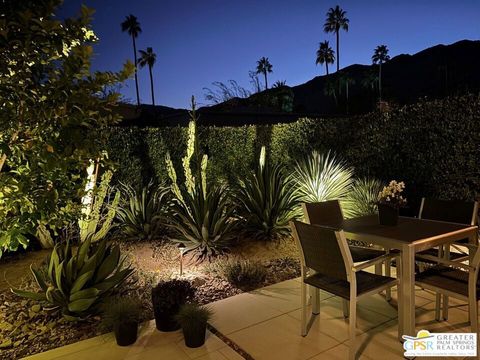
<point>266,324</point>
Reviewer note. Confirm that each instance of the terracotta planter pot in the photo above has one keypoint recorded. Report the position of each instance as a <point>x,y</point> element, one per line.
<point>195,335</point>
<point>126,334</point>
<point>387,215</point>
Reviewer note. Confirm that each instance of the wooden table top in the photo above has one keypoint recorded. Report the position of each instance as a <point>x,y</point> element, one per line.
<point>408,230</point>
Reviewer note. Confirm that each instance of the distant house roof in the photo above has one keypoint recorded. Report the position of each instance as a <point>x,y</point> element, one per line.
<point>160,116</point>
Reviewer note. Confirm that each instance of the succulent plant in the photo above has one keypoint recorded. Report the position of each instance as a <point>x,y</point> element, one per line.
<point>78,283</point>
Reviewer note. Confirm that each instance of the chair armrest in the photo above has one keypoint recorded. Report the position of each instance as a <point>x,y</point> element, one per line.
<point>446,262</point>
<point>377,260</point>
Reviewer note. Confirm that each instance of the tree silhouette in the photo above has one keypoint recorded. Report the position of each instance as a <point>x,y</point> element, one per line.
<point>335,21</point>
<point>380,56</point>
<point>325,55</point>
<point>148,57</point>
<point>280,84</point>
<point>132,26</point>
<point>264,67</point>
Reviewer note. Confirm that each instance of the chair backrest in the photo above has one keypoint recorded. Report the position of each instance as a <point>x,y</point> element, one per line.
<point>323,249</point>
<point>325,213</point>
<point>462,212</point>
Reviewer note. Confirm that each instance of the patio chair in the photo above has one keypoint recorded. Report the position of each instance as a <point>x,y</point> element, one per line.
<point>327,264</point>
<point>329,213</point>
<point>462,212</point>
<point>455,279</point>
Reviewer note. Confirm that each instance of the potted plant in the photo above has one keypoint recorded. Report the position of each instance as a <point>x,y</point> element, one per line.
<point>122,316</point>
<point>193,319</point>
<point>389,202</point>
<point>167,298</point>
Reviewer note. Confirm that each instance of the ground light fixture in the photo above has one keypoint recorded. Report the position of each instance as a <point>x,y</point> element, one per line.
<point>181,248</point>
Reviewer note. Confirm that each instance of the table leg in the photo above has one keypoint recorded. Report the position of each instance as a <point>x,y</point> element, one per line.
<point>407,302</point>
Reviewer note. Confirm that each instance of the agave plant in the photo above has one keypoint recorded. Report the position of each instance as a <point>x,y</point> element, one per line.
<point>77,284</point>
<point>362,198</point>
<point>202,221</point>
<point>267,200</point>
<point>323,177</point>
<point>140,211</point>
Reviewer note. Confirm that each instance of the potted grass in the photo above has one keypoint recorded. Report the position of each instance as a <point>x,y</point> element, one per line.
<point>193,319</point>
<point>389,202</point>
<point>167,298</point>
<point>122,316</point>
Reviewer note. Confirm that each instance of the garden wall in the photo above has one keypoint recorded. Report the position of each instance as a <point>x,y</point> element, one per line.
<point>434,146</point>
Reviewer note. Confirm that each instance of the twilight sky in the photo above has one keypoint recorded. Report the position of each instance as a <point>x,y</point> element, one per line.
<point>199,42</point>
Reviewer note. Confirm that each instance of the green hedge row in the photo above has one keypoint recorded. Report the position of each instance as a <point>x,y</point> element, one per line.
<point>434,146</point>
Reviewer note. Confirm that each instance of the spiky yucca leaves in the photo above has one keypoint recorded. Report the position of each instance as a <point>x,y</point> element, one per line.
<point>267,200</point>
<point>140,211</point>
<point>363,196</point>
<point>78,283</point>
<point>203,221</point>
<point>323,177</point>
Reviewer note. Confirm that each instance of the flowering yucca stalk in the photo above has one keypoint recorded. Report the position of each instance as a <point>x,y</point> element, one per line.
<point>391,194</point>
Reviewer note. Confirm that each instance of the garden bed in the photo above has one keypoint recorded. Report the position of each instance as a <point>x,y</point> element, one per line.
<point>26,329</point>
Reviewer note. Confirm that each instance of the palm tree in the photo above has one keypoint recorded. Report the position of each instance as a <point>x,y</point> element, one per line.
<point>380,55</point>
<point>336,20</point>
<point>132,26</point>
<point>280,83</point>
<point>264,67</point>
<point>148,58</point>
<point>325,55</point>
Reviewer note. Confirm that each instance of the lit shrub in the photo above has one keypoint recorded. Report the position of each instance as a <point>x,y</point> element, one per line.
<point>244,274</point>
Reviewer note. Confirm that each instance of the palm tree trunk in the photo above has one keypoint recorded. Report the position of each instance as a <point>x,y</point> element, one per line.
<point>380,80</point>
<point>266,83</point>
<point>136,77</point>
<point>326,65</point>
<point>151,84</point>
<point>338,50</point>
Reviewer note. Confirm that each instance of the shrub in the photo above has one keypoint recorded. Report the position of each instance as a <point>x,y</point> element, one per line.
<point>121,311</point>
<point>167,296</point>
<point>363,196</point>
<point>244,274</point>
<point>140,211</point>
<point>323,177</point>
<point>77,284</point>
<point>267,200</point>
<point>193,315</point>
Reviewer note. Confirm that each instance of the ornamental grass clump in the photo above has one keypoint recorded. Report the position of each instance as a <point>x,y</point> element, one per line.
<point>193,319</point>
<point>244,274</point>
<point>362,198</point>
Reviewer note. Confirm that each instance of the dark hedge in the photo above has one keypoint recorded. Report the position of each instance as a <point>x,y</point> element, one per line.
<point>434,146</point>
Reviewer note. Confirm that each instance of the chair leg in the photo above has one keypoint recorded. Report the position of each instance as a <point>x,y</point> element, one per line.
<point>473,311</point>
<point>388,272</point>
<point>352,328</point>
<point>445,307</point>
<point>303,326</point>
<point>444,251</point>
<point>378,269</point>
<point>345,308</point>
<point>438,297</point>
<point>315,301</point>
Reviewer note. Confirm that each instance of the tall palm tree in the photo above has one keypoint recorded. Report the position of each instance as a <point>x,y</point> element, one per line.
<point>380,56</point>
<point>132,26</point>
<point>264,67</point>
<point>148,57</point>
<point>325,55</point>
<point>336,20</point>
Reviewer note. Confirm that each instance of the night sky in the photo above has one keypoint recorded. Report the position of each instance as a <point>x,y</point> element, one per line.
<point>198,42</point>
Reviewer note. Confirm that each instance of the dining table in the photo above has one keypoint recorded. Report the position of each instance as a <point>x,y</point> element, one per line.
<point>409,236</point>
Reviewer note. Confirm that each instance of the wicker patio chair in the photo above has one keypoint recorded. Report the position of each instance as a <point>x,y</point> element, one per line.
<point>327,264</point>
<point>329,213</point>
<point>462,212</point>
<point>456,279</point>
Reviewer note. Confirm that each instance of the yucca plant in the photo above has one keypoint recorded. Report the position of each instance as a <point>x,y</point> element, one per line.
<point>362,197</point>
<point>140,211</point>
<point>77,284</point>
<point>203,222</point>
<point>323,177</point>
<point>267,200</point>
<point>201,213</point>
